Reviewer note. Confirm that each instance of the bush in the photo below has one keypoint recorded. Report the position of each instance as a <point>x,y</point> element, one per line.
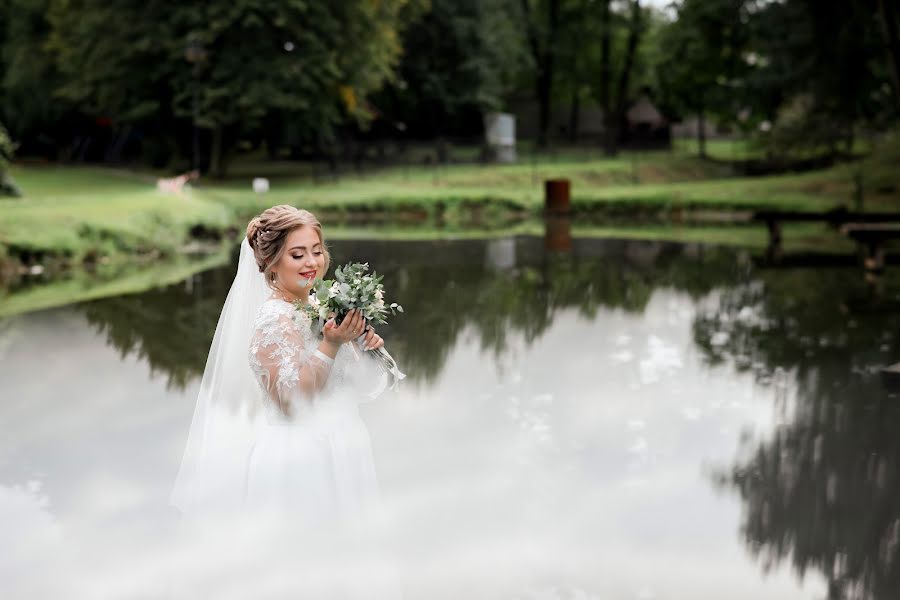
<point>7,187</point>
<point>803,130</point>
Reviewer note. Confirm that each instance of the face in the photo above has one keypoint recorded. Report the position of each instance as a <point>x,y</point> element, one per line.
<point>303,260</point>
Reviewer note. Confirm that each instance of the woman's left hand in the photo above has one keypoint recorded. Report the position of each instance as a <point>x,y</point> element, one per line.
<point>372,340</point>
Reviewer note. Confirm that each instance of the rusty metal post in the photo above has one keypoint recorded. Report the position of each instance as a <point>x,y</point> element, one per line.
<point>557,234</point>
<point>556,196</point>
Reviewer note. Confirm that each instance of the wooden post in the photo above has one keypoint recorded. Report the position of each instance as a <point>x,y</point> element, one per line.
<point>556,196</point>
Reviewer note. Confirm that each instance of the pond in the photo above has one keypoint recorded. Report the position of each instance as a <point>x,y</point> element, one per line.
<point>622,419</point>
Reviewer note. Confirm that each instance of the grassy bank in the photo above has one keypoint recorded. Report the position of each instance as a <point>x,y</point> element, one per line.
<point>111,279</point>
<point>88,214</point>
<point>79,285</point>
<point>100,216</point>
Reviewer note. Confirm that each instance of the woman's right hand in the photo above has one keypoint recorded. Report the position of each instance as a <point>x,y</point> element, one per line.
<point>350,328</point>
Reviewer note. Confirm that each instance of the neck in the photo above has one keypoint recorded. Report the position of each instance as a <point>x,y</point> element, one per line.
<point>290,297</point>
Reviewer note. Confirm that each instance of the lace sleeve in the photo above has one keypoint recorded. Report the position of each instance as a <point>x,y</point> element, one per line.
<point>287,370</point>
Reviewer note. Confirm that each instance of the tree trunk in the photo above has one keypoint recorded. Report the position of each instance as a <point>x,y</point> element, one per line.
<point>543,96</point>
<point>606,72</point>
<point>634,37</point>
<point>215,153</point>
<point>543,55</point>
<point>892,42</point>
<point>574,116</point>
<point>701,133</point>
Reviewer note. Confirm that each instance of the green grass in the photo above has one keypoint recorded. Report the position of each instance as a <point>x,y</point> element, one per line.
<point>113,280</point>
<point>80,285</point>
<point>720,149</point>
<point>80,212</point>
<point>797,237</point>
<point>72,211</point>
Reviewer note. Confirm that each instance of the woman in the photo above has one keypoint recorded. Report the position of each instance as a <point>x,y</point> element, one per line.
<point>319,469</point>
<point>277,451</point>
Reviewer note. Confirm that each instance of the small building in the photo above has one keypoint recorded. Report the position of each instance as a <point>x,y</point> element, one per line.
<point>645,126</point>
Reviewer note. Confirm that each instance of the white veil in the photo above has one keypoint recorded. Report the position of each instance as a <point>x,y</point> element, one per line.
<point>228,404</point>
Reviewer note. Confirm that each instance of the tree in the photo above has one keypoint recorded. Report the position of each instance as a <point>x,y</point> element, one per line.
<point>7,187</point>
<point>887,17</point>
<point>314,61</point>
<point>28,78</point>
<point>705,64</point>
<point>615,107</point>
<point>541,20</point>
<point>601,56</point>
<point>460,58</point>
<point>568,56</point>
<point>832,56</point>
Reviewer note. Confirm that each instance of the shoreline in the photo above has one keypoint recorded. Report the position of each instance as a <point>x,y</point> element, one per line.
<point>89,217</point>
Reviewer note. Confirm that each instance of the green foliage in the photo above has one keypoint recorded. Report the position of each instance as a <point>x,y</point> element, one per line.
<point>830,55</point>
<point>7,187</point>
<point>28,75</point>
<point>352,288</point>
<point>228,64</point>
<point>458,56</point>
<point>703,68</point>
<point>800,130</point>
<point>580,52</point>
<point>803,76</point>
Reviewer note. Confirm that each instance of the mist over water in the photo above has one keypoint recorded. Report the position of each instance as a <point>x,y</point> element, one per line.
<point>625,420</point>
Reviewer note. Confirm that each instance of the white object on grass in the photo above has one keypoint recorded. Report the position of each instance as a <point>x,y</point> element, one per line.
<point>260,185</point>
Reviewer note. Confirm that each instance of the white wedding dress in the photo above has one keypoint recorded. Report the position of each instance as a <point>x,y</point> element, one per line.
<point>312,459</point>
<point>277,487</point>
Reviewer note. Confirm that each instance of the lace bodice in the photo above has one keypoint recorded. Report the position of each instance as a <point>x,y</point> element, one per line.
<point>283,358</point>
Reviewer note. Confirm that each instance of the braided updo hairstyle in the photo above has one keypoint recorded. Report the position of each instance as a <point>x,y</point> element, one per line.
<point>268,231</point>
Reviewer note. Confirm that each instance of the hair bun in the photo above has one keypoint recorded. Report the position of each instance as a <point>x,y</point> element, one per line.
<point>253,229</point>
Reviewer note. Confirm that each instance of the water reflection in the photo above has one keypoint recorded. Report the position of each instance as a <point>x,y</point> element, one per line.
<point>822,492</point>
<point>555,441</point>
<point>498,287</point>
<point>170,328</point>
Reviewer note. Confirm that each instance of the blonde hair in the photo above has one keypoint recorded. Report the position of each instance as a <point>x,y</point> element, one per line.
<point>268,231</point>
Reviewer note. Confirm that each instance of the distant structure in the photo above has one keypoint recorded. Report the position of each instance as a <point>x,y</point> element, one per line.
<point>689,127</point>
<point>500,137</point>
<point>646,126</point>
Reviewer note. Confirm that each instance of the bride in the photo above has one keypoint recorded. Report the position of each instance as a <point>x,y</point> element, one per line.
<point>277,451</point>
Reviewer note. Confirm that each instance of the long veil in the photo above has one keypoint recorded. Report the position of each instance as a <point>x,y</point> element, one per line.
<point>228,404</point>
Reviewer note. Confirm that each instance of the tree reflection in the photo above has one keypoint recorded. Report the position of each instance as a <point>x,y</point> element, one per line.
<point>824,492</point>
<point>447,296</point>
<point>448,288</point>
<point>171,327</point>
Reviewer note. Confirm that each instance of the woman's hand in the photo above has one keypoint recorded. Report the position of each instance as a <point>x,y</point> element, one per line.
<point>350,328</point>
<point>372,339</point>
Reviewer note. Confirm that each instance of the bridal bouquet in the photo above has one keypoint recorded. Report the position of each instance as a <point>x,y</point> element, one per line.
<point>353,288</point>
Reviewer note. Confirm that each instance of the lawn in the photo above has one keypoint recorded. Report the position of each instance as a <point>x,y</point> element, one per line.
<point>73,213</point>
